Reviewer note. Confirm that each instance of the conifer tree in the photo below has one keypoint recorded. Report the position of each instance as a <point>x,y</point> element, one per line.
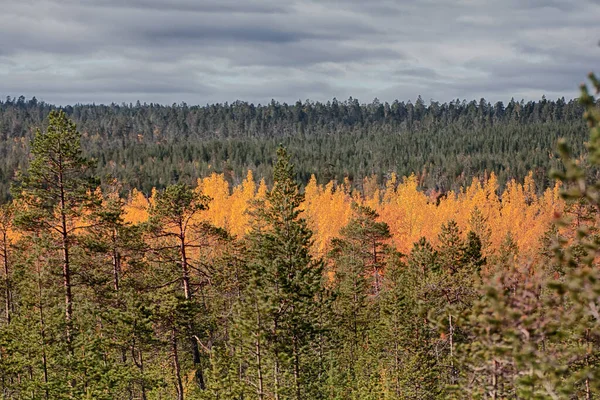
<point>358,257</point>
<point>280,306</point>
<point>55,192</point>
<point>471,252</point>
<point>405,337</point>
<point>451,247</point>
<point>423,257</point>
<point>177,235</point>
<point>115,252</point>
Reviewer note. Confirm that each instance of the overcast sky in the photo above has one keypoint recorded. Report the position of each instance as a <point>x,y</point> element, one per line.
<point>207,51</point>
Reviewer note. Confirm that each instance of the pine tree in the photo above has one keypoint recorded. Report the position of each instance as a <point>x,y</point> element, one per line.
<point>280,306</point>
<point>450,248</point>
<point>358,258</point>
<point>55,193</point>
<point>423,257</point>
<point>515,348</point>
<point>405,337</point>
<point>471,252</point>
<point>115,252</point>
<point>178,235</point>
<point>55,196</point>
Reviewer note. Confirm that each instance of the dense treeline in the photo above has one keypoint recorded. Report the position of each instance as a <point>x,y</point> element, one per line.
<point>96,307</point>
<point>150,145</point>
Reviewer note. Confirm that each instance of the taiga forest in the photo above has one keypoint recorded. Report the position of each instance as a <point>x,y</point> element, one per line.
<point>303,250</point>
<point>241,252</point>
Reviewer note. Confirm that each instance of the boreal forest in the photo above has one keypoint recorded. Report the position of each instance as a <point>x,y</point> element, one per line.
<point>148,146</point>
<point>308,251</point>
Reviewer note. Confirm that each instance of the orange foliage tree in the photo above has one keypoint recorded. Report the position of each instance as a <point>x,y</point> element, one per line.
<point>409,212</point>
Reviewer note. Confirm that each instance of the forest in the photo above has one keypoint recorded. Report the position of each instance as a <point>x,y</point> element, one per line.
<point>431,270</point>
<point>149,146</point>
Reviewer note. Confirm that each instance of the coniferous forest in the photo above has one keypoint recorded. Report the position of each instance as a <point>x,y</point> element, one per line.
<point>150,146</point>
<point>382,251</point>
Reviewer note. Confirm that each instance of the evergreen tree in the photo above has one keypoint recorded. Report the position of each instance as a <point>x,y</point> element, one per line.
<point>177,235</point>
<point>471,252</point>
<point>280,305</point>
<point>358,258</point>
<point>56,194</point>
<point>405,337</point>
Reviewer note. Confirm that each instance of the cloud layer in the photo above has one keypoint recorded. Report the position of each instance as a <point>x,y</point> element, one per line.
<point>169,51</point>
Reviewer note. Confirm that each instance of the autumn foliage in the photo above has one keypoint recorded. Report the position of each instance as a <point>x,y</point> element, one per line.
<point>409,212</point>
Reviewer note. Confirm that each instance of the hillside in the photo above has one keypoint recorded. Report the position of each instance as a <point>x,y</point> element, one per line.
<point>446,145</point>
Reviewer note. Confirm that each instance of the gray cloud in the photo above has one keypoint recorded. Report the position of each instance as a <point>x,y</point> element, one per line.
<point>68,51</point>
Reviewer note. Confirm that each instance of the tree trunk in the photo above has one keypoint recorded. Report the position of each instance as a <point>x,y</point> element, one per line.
<point>257,345</point>
<point>43,334</point>
<point>451,335</point>
<point>66,265</point>
<point>376,268</point>
<point>588,392</point>
<point>116,259</point>
<point>142,384</point>
<point>187,291</point>
<point>276,373</point>
<point>296,367</point>
<point>176,365</point>
<point>7,284</point>
<point>495,381</point>
<point>139,362</point>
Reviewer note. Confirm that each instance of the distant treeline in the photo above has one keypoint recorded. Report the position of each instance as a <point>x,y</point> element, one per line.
<point>445,144</point>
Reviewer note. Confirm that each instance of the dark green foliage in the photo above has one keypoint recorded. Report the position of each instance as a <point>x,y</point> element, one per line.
<point>533,332</point>
<point>471,252</point>
<point>423,257</point>
<point>149,145</point>
<point>278,323</point>
<point>97,308</point>
<point>58,174</point>
<point>358,259</point>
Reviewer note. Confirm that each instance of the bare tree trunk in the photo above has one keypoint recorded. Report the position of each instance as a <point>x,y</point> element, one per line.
<point>7,284</point>
<point>66,265</point>
<point>116,259</point>
<point>588,392</point>
<point>451,335</point>
<point>176,365</point>
<point>43,334</point>
<point>495,381</point>
<point>257,345</point>
<point>187,291</point>
<point>296,367</point>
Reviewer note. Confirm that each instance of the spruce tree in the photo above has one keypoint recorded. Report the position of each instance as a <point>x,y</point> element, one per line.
<point>280,305</point>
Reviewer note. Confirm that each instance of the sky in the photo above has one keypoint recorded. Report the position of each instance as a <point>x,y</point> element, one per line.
<point>213,51</point>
